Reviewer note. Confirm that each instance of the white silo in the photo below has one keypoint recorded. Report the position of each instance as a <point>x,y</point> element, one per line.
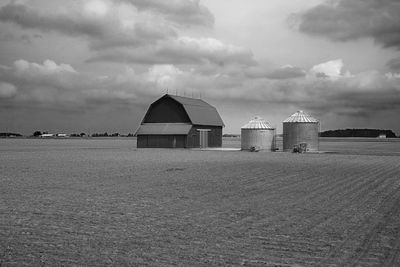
<point>258,134</point>
<point>300,128</point>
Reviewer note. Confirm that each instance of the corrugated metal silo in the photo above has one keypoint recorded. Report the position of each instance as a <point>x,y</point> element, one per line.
<point>300,128</point>
<point>258,134</point>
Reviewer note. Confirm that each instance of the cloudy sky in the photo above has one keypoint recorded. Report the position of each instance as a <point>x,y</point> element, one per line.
<point>96,65</point>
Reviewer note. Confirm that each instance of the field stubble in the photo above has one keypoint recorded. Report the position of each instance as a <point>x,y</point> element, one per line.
<point>93,202</point>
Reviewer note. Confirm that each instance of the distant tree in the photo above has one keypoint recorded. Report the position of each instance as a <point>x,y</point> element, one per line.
<point>100,134</point>
<point>37,133</point>
<point>115,135</point>
<point>82,134</point>
<point>130,134</point>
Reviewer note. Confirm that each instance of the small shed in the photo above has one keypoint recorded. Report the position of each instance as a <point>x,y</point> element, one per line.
<point>300,129</point>
<point>258,134</point>
<point>180,122</point>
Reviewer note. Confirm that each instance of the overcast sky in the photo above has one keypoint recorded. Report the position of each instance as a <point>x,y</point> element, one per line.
<point>95,66</point>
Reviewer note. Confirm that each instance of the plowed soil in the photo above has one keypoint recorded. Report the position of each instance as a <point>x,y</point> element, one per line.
<point>97,202</point>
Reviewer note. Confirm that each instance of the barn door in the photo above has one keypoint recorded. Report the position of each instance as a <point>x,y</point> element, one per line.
<point>203,135</point>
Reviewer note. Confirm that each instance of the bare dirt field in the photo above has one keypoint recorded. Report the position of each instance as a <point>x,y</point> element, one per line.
<point>104,202</point>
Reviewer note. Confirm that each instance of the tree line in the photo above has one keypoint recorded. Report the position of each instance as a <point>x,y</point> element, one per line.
<point>105,134</point>
<point>7,134</point>
<point>358,133</point>
<point>40,133</point>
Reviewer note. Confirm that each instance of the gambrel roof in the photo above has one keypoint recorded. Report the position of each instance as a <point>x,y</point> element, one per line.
<point>198,111</point>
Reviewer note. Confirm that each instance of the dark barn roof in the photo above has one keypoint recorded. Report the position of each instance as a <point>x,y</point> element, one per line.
<point>199,111</point>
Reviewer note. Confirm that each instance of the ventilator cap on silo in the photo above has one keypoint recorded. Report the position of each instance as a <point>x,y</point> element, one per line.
<point>301,116</point>
<point>258,123</point>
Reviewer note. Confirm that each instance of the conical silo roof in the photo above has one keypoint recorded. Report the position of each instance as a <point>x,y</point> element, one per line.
<point>301,116</point>
<point>258,123</point>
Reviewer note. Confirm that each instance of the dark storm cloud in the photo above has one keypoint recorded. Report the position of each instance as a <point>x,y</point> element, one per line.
<point>184,12</point>
<point>103,32</point>
<point>321,75</point>
<point>8,36</point>
<point>286,72</point>
<point>282,73</point>
<point>362,95</point>
<point>356,105</point>
<point>30,18</point>
<point>52,85</point>
<point>394,65</point>
<point>113,34</point>
<point>345,20</point>
<point>359,95</point>
<point>370,102</point>
<point>352,103</point>
<point>146,57</point>
<point>7,90</point>
<point>49,82</point>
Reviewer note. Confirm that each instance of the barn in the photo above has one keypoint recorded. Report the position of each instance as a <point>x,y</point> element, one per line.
<point>180,122</point>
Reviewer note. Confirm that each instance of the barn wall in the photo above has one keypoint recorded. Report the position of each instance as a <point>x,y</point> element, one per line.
<point>166,110</point>
<point>192,140</point>
<point>141,141</point>
<point>214,136</point>
<point>161,141</point>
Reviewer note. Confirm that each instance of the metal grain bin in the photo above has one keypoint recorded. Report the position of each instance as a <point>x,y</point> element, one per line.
<point>258,135</point>
<point>300,128</point>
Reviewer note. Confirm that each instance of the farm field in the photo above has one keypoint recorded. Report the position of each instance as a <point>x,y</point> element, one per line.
<point>104,202</point>
<point>355,146</point>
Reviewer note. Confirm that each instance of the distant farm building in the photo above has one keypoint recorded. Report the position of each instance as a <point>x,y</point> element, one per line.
<point>258,134</point>
<point>47,135</point>
<point>299,130</point>
<point>180,122</point>
<point>382,136</point>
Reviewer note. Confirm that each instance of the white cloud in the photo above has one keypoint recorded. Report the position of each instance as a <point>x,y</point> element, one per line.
<point>207,44</point>
<point>332,69</point>
<point>391,75</point>
<point>211,47</point>
<point>96,7</point>
<point>163,75</point>
<point>48,67</point>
